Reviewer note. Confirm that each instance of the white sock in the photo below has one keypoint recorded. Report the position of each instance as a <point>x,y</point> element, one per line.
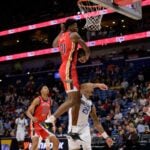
<point>74,129</point>
<point>50,119</point>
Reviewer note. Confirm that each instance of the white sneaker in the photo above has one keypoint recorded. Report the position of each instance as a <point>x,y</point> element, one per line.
<point>50,119</point>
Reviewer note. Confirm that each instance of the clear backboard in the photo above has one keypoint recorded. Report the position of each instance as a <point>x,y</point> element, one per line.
<point>133,10</point>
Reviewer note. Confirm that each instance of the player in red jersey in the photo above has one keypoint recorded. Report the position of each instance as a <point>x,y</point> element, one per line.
<point>68,41</point>
<point>38,112</point>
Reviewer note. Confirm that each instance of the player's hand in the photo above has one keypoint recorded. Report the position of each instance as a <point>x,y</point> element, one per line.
<point>87,56</point>
<point>109,142</point>
<point>83,56</point>
<point>62,27</point>
<point>82,59</point>
<point>34,119</point>
<point>103,86</point>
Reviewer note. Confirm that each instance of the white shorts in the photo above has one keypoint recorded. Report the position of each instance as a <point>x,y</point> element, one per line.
<point>86,140</point>
<point>20,135</point>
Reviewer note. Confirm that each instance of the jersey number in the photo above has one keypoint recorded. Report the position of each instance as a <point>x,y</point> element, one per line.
<point>62,48</point>
<point>86,109</point>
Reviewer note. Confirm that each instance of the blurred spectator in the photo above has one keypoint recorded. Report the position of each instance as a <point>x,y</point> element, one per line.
<point>122,109</point>
<point>107,124</point>
<point>120,138</point>
<point>131,138</point>
<point>141,77</point>
<point>124,84</point>
<point>60,131</point>
<point>1,127</point>
<point>10,95</point>
<point>118,115</point>
<point>146,110</point>
<point>142,100</point>
<point>140,127</point>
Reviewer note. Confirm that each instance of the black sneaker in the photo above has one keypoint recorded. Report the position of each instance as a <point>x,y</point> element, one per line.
<point>74,136</point>
<point>47,126</point>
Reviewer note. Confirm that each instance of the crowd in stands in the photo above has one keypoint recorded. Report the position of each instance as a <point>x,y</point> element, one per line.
<point>42,38</point>
<point>119,29</point>
<point>122,109</point>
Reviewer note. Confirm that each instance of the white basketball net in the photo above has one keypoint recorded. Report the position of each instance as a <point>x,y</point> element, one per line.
<point>87,7</point>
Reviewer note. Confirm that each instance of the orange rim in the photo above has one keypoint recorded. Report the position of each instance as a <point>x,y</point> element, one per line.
<point>80,4</point>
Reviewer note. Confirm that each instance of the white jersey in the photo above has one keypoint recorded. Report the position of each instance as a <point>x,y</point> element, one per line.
<point>21,124</point>
<point>84,111</point>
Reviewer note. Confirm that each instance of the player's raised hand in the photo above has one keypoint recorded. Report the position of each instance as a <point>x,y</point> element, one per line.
<point>109,142</point>
<point>62,27</point>
<point>103,86</point>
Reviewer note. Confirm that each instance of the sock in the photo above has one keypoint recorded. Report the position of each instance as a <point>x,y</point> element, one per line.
<point>74,129</point>
<point>50,119</point>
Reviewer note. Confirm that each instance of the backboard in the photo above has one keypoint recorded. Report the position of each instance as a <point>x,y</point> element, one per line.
<point>133,10</point>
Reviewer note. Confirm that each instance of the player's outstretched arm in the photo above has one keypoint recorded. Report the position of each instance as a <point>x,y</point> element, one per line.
<point>55,42</point>
<point>77,39</point>
<point>31,109</point>
<point>101,86</point>
<point>99,127</point>
<point>92,86</point>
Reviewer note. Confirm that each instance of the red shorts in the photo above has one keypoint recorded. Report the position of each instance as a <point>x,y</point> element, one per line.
<point>38,130</point>
<point>69,78</point>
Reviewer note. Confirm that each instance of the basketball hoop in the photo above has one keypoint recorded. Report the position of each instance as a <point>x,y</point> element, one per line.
<point>93,22</point>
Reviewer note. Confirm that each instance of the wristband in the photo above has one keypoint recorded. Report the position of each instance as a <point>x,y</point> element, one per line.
<point>104,135</point>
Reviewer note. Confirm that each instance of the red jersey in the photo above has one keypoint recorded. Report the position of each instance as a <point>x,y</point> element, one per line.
<point>68,49</point>
<point>67,70</point>
<point>42,110</point>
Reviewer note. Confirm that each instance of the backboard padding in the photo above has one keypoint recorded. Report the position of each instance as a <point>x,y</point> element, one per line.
<point>133,11</point>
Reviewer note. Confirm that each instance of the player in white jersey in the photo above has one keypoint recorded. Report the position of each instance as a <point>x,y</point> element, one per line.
<point>87,108</point>
<point>21,124</point>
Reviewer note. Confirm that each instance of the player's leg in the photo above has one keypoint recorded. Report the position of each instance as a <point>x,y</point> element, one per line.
<point>73,101</point>
<point>35,135</point>
<point>35,142</point>
<point>73,145</point>
<point>86,138</point>
<point>71,86</point>
<point>52,138</point>
<point>22,140</point>
<point>87,147</point>
<point>18,138</point>
<point>45,134</point>
<point>20,145</point>
<point>47,144</point>
<point>20,135</point>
